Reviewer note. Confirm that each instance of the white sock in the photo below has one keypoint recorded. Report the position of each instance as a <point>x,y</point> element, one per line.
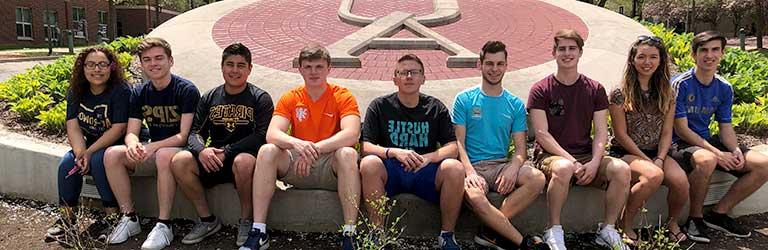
<point>348,229</point>
<point>260,226</point>
<point>443,232</point>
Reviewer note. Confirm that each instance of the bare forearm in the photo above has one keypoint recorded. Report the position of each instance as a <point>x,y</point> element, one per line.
<point>449,150</point>
<point>694,139</point>
<point>629,145</point>
<point>76,140</point>
<point>728,137</point>
<point>550,145</point>
<point>598,145</point>
<point>108,138</point>
<point>344,138</point>
<point>177,140</point>
<point>373,149</point>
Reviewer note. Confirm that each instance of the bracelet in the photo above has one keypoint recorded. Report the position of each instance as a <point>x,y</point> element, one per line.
<point>386,153</point>
<point>658,158</point>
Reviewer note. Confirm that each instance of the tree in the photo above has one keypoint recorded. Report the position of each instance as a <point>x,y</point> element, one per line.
<point>709,11</point>
<point>738,9</point>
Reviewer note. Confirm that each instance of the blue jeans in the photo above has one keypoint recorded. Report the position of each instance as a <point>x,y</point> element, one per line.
<point>70,187</point>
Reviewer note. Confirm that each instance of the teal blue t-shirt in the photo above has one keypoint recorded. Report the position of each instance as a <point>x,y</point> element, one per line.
<point>490,122</point>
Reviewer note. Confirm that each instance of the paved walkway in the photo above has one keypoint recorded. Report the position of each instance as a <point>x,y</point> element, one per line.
<point>197,38</point>
<point>8,69</point>
<point>526,25</point>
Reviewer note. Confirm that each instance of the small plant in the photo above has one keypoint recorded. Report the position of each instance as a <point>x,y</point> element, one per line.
<point>658,238</point>
<point>88,232</point>
<point>375,237</point>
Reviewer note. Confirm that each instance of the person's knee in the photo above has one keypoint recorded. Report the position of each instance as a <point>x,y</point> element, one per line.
<point>346,154</point>
<point>243,165</point>
<point>704,161</point>
<point>619,171</point>
<point>562,170</point>
<point>452,169</point>
<point>476,198</point>
<point>182,162</point>
<point>655,176</point>
<point>371,166</point>
<point>346,160</point>
<point>113,156</point>
<point>268,152</point>
<point>535,178</point>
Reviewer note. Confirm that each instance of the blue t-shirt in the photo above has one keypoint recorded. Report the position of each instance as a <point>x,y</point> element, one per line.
<point>489,122</point>
<point>96,113</point>
<point>698,102</point>
<point>162,109</point>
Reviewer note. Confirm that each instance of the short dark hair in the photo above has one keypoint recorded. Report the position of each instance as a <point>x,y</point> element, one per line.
<point>705,37</point>
<point>151,42</point>
<point>493,47</point>
<point>236,49</point>
<point>314,52</point>
<point>568,34</point>
<point>410,57</point>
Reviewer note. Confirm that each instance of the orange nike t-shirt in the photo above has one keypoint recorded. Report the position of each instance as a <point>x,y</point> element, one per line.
<point>318,120</point>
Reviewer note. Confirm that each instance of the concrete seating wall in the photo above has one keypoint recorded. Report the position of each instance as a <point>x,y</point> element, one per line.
<point>28,169</point>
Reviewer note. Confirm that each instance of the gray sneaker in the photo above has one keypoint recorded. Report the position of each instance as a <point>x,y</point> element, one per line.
<point>243,227</point>
<point>201,230</point>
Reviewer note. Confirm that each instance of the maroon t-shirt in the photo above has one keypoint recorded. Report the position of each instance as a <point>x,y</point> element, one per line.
<point>569,110</point>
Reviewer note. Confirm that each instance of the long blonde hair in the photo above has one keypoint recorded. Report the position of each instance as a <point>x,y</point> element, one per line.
<point>659,86</point>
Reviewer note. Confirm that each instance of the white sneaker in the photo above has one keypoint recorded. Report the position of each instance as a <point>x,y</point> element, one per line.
<point>555,237</point>
<point>607,236</point>
<point>124,230</point>
<point>160,237</point>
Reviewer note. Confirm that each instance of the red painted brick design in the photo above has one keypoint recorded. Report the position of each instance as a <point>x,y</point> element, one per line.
<point>275,31</point>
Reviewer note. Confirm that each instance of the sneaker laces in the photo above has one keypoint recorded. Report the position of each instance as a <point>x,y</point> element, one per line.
<point>199,228</point>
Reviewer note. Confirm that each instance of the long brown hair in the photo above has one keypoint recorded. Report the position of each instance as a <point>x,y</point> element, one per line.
<point>659,86</point>
<point>78,85</point>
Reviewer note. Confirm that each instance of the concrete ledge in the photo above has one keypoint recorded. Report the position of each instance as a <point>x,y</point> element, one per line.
<point>28,169</point>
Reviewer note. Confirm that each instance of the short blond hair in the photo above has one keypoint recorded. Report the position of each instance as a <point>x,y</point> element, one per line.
<point>151,42</point>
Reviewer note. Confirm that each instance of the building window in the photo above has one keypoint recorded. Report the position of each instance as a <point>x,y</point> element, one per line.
<point>51,25</point>
<point>102,24</point>
<point>79,23</point>
<point>23,23</point>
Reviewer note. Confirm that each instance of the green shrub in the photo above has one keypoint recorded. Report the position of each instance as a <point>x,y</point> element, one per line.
<point>40,92</point>
<point>54,119</point>
<point>29,108</point>
<point>746,71</point>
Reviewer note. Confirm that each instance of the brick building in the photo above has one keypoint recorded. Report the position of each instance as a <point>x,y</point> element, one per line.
<point>22,21</point>
<point>138,20</point>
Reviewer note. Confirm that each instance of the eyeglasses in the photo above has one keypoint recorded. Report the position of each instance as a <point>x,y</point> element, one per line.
<point>101,65</point>
<point>409,73</point>
<point>644,38</point>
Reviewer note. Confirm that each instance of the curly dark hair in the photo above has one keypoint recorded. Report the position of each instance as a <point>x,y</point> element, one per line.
<point>79,84</point>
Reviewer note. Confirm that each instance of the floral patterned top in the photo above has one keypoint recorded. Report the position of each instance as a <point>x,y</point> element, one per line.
<point>643,123</point>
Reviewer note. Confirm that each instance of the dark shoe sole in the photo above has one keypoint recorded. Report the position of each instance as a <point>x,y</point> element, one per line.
<point>727,233</point>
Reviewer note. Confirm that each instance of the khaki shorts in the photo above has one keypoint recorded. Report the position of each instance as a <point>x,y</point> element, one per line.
<point>544,160</point>
<point>491,169</point>
<point>149,166</point>
<point>321,175</point>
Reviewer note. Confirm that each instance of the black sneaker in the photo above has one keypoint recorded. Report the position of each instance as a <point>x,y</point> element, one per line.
<point>725,224</point>
<point>488,237</point>
<point>696,230</point>
<point>347,241</point>
<point>532,242</point>
<point>100,229</point>
<point>256,240</point>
